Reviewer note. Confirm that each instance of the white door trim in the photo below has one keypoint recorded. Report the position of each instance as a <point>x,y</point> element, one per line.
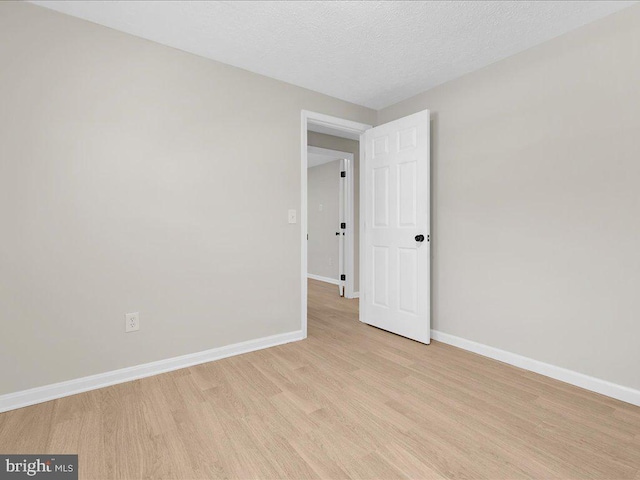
<point>349,129</point>
<point>333,154</point>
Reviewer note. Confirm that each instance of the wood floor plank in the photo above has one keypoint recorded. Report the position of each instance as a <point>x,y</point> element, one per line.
<point>410,465</point>
<point>351,401</point>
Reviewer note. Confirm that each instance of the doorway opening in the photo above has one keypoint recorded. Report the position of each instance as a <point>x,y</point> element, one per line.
<point>330,210</point>
<point>330,146</point>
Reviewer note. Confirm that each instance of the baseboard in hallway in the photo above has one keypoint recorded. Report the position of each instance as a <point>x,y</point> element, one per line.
<point>320,278</point>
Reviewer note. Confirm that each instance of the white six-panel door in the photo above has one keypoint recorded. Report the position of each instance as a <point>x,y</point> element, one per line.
<point>396,265</point>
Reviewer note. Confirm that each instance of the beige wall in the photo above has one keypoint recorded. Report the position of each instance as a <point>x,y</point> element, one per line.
<point>331,142</point>
<point>323,248</point>
<point>127,183</point>
<point>536,201</point>
<point>135,177</point>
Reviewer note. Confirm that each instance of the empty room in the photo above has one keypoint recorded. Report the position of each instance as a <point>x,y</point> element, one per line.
<point>319,240</point>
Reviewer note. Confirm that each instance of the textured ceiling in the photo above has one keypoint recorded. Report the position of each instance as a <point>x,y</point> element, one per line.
<point>370,53</point>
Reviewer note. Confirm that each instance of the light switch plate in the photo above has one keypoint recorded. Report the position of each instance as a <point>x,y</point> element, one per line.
<point>293,216</point>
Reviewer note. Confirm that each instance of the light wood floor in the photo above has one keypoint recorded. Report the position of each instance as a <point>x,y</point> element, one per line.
<point>351,401</point>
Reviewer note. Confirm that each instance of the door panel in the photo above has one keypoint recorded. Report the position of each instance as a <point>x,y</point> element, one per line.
<point>381,196</point>
<point>381,276</point>
<point>407,200</point>
<point>407,265</point>
<point>396,267</point>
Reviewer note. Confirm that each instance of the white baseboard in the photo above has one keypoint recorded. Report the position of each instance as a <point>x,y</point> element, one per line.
<point>355,295</point>
<point>613,390</point>
<point>24,398</point>
<point>323,279</point>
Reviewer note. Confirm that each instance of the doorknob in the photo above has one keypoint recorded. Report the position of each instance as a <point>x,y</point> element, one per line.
<point>419,238</point>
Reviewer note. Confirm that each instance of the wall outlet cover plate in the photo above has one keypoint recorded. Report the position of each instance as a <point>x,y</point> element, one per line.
<point>132,322</point>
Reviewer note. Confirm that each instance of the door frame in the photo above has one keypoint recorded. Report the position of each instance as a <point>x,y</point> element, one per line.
<point>346,213</point>
<point>339,127</point>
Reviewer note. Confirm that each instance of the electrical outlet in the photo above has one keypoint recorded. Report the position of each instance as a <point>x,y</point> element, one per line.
<point>132,322</point>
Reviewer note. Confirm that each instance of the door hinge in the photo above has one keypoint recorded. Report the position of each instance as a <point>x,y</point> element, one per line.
<point>343,277</point>
<point>343,225</point>
<point>343,173</point>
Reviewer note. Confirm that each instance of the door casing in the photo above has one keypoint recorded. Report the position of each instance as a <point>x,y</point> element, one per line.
<point>333,126</point>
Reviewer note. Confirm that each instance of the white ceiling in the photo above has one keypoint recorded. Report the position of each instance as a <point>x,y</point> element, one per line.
<point>316,159</point>
<point>319,156</point>
<point>366,52</point>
